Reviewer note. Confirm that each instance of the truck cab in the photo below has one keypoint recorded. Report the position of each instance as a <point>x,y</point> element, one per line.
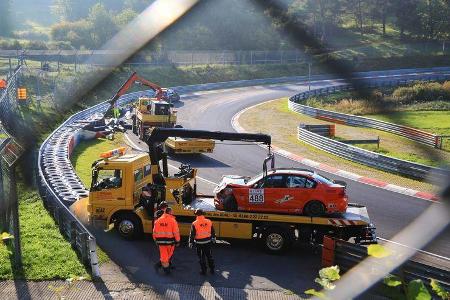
<point>119,193</point>
<point>151,112</point>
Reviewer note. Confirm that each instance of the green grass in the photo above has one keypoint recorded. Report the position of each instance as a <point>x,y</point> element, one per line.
<point>45,253</point>
<point>432,121</point>
<point>437,122</point>
<point>412,157</point>
<point>89,151</point>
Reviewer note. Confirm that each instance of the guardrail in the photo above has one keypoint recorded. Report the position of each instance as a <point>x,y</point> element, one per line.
<point>422,265</point>
<point>370,158</point>
<point>352,120</point>
<point>60,186</point>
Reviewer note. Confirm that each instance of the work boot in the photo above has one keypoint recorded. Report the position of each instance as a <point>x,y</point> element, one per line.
<point>157,266</point>
<point>171,266</point>
<point>166,270</point>
<point>203,271</point>
<point>211,270</point>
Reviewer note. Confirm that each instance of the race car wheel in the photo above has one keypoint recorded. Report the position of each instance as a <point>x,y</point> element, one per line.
<point>230,203</point>
<point>314,209</point>
<point>276,240</point>
<point>128,226</point>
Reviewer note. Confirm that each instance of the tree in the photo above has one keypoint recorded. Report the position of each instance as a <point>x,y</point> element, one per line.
<point>5,13</point>
<point>137,5</point>
<point>125,17</point>
<point>103,25</point>
<point>71,10</point>
<point>406,15</point>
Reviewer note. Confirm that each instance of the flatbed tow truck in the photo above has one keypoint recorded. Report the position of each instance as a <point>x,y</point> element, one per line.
<point>126,208</point>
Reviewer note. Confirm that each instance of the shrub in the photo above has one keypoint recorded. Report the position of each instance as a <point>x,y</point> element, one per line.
<point>422,92</point>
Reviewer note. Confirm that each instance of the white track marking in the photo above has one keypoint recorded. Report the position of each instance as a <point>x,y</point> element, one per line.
<point>415,249</point>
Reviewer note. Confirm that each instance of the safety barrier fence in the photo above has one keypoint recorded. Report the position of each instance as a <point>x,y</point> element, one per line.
<point>60,186</point>
<point>352,120</point>
<point>422,265</point>
<point>370,158</point>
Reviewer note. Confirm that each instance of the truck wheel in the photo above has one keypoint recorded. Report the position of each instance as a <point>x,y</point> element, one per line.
<point>314,208</point>
<point>229,203</point>
<point>276,240</point>
<point>129,226</point>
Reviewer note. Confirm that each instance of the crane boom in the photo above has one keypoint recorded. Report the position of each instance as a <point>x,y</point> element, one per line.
<point>133,79</point>
<point>159,135</point>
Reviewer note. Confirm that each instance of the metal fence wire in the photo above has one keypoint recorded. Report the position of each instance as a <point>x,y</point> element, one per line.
<point>127,44</point>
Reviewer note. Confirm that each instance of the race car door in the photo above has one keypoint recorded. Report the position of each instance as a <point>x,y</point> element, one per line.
<point>267,191</point>
<point>300,190</point>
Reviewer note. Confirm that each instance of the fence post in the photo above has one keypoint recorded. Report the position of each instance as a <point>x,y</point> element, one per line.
<point>93,258</point>
<point>251,57</point>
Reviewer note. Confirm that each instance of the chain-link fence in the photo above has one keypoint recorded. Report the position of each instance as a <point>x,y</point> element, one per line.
<point>10,152</point>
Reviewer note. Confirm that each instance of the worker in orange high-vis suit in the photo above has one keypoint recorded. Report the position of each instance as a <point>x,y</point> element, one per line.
<point>166,236</point>
<point>203,235</point>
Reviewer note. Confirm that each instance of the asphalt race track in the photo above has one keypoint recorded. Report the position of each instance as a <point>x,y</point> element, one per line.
<point>242,264</point>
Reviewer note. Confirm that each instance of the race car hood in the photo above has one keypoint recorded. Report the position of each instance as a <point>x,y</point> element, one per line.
<point>230,179</point>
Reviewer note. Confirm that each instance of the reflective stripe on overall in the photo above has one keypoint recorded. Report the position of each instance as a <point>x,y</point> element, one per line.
<point>202,230</point>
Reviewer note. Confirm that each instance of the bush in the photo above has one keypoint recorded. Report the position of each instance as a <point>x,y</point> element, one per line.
<point>77,33</point>
<point>422,92</point>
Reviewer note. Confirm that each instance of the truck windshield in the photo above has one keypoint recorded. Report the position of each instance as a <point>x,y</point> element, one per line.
<point>106,179</point>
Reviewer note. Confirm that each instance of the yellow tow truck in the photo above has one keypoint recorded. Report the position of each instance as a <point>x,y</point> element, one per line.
<point>151,112</point>
<point>126,189</point>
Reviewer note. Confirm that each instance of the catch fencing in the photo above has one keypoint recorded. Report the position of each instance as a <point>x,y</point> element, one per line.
<point>370,158</point>
<point>161,58</point>
<point>352,120</point>
<point>422,265</point>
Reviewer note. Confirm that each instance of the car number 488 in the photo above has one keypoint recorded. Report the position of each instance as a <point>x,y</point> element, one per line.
<point>256,196</point>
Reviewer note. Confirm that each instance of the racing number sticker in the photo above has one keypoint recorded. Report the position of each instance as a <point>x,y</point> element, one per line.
<point>256,196</point>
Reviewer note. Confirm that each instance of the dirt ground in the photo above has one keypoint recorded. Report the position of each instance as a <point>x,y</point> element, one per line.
<point>275,119</point>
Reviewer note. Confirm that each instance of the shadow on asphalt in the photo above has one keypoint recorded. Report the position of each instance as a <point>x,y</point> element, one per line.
<point>239,265</point>
<point>198,161</point>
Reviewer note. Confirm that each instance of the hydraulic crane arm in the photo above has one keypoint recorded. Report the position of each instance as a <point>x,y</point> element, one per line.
<point>159,135</point>
<point>133,79</point>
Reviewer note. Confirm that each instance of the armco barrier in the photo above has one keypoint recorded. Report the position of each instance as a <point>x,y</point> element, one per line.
<point>370,158</point>
<point>352,120</point>
<point>60,186</point>
<point>422,265</point>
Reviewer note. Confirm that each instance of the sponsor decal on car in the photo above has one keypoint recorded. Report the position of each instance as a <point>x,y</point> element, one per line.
<point>256,196</point>
<point>286,198</point>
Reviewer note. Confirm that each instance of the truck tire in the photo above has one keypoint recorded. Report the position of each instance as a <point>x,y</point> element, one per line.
<point>230,203</point>
<point>314,208</point>
<point>129,226</point>
<point>276,240</point>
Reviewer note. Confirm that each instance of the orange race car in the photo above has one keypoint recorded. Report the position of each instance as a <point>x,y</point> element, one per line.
<point>290,191</point>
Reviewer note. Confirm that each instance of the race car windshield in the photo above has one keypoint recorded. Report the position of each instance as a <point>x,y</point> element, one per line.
<point>255,179</point>
<point>323,179</point>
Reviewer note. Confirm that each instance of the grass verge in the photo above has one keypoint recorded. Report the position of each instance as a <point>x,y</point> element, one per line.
<point>89,151</point>
<point>265,118</point>
<point>45,253</point>
<point>437,122</point>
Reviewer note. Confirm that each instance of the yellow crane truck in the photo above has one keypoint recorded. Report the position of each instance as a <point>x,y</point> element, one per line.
<point>126,189</point>
<point>151,112</point>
